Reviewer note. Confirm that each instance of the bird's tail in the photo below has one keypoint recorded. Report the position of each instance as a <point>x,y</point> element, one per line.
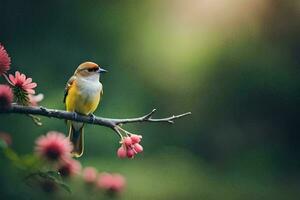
<point>77,138</point>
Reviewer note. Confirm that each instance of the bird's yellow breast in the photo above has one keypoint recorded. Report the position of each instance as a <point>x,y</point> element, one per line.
<point>83,98</point>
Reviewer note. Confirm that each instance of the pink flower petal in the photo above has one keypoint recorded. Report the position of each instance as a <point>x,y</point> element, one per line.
<point>30,91</point>
<point>30,85</point>
<point>17,75</point>
<point>27,81</point>
<point>12,78</point>
<point>23,77</point>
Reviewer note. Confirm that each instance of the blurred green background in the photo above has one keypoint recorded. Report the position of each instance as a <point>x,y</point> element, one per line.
<point>234,64</point>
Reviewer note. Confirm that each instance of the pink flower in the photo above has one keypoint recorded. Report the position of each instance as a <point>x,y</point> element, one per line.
<point>89,174</point>
<point>69,167</point>
<point>111,182</point>
<point>35,99</point>
<point>130,146</point>
<point>4,61</point>
<point>104,180</point>
<point>21,82</point>
<point>6,97</point>
<point>6,138</point>
<point>118,182</point>
<point>54,146</point>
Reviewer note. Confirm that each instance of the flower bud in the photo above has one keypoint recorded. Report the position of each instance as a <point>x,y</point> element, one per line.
<point>135,138</point>
<point>122,152</point>
<point>127,141</point>
<point>130,153</point>
<point>138,148</point>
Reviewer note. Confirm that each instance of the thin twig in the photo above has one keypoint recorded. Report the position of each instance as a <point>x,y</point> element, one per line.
<point>108,122</point>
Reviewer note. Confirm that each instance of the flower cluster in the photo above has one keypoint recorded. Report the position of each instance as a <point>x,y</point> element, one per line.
<point>56,148</point>
<point>22,86</point>
<point>130,146</point>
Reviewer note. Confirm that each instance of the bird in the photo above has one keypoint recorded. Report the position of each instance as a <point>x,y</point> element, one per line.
<point>83,92</point>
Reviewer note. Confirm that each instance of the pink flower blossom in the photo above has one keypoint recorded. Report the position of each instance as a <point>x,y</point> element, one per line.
<point>4,61</point>
<point>69,167</point>
<point>6,97</point>
<point>6,138</point>
<point>20,81</point>
<point>35,99</point>
<point>54,146</point>
<point>111,182</point>
<point>89,174</point>
<point>118,183</point>
<point>130,146</point>
<point>104,180</point>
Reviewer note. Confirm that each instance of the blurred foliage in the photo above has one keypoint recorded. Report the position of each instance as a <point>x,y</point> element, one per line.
<point>234,64</point>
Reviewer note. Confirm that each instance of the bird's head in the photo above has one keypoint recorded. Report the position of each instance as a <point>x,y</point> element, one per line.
<point>89,69</point>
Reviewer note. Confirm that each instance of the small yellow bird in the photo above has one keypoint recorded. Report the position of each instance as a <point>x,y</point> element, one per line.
<point>82,95</point>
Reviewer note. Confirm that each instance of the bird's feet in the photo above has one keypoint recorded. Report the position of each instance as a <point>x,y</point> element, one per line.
<point>92,117</point>
<point>75,115</point>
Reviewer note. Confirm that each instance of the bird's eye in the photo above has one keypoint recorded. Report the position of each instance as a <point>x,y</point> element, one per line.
<point>93,69</point>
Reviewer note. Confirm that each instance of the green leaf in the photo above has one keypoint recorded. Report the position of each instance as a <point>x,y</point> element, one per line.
<point>54,174</point>
<point>65,187</point>
<point>37,178</point>
<point>13,157</point>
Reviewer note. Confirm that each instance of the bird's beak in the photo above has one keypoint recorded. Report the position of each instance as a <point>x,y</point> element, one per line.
<point>102,70</point>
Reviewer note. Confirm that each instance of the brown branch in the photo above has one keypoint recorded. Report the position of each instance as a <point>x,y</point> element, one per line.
<point>108,122</point>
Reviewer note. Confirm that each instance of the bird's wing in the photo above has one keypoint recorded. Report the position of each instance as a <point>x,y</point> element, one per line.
<point>68,85</point>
